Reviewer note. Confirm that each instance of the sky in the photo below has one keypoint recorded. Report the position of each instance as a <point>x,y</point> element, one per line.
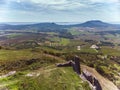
<point>59,10</point>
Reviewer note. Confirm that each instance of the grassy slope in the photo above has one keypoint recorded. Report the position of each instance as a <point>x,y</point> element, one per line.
<point>12,55</point>
<point>110,51</point>
<point>24,60</point>
<point>50,78</point>
<point>62,41</point>
<point>53,78</point>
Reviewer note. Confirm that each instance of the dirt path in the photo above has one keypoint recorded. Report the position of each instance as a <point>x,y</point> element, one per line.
<point>52,56</point>
<point>105,83</point>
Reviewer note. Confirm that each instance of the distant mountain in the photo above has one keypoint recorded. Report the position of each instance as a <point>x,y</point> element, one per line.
<point>29,26</point>
<point>4,25</point>
<point>94,23</point>
<point>97,24</point>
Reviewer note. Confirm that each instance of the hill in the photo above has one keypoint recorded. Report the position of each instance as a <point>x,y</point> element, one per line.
<point>45,27</point>
<point>30,70</point>
<point>95,23</point>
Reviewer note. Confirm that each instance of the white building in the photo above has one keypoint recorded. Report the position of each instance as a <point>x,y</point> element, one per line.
<point>94,47</point>
<point>78,48</point>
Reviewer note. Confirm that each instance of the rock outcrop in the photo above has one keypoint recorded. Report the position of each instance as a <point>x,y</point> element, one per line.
<point>74,63</point>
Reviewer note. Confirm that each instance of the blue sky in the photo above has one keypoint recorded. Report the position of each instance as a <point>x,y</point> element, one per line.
<point>59,10</point>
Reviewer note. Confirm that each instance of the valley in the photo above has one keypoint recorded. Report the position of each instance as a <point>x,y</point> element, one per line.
<point>33,51</point>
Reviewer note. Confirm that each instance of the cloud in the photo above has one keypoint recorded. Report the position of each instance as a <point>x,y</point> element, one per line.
<point>105,1</point>
<point>45,4</point>
<point>51,9</point>
<point>50,2</point>
<point>58,5</point>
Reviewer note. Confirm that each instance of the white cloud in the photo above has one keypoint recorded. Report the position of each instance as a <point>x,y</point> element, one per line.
<point>105,1</point>
<point>49,2</point>
<point>67,6</point>
<point>60,5</point>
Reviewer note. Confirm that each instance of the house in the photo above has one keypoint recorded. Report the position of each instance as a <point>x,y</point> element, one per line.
<point>94,47</point>
<point>78,48</point>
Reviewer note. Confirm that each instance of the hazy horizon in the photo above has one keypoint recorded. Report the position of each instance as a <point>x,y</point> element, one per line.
<point>59,23</point>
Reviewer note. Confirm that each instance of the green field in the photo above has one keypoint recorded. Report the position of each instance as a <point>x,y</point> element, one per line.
<point>14,55</point>
<point>61,41</point>
<point>14,35</point>
<point>75,31</point>
<point>110,51</point>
